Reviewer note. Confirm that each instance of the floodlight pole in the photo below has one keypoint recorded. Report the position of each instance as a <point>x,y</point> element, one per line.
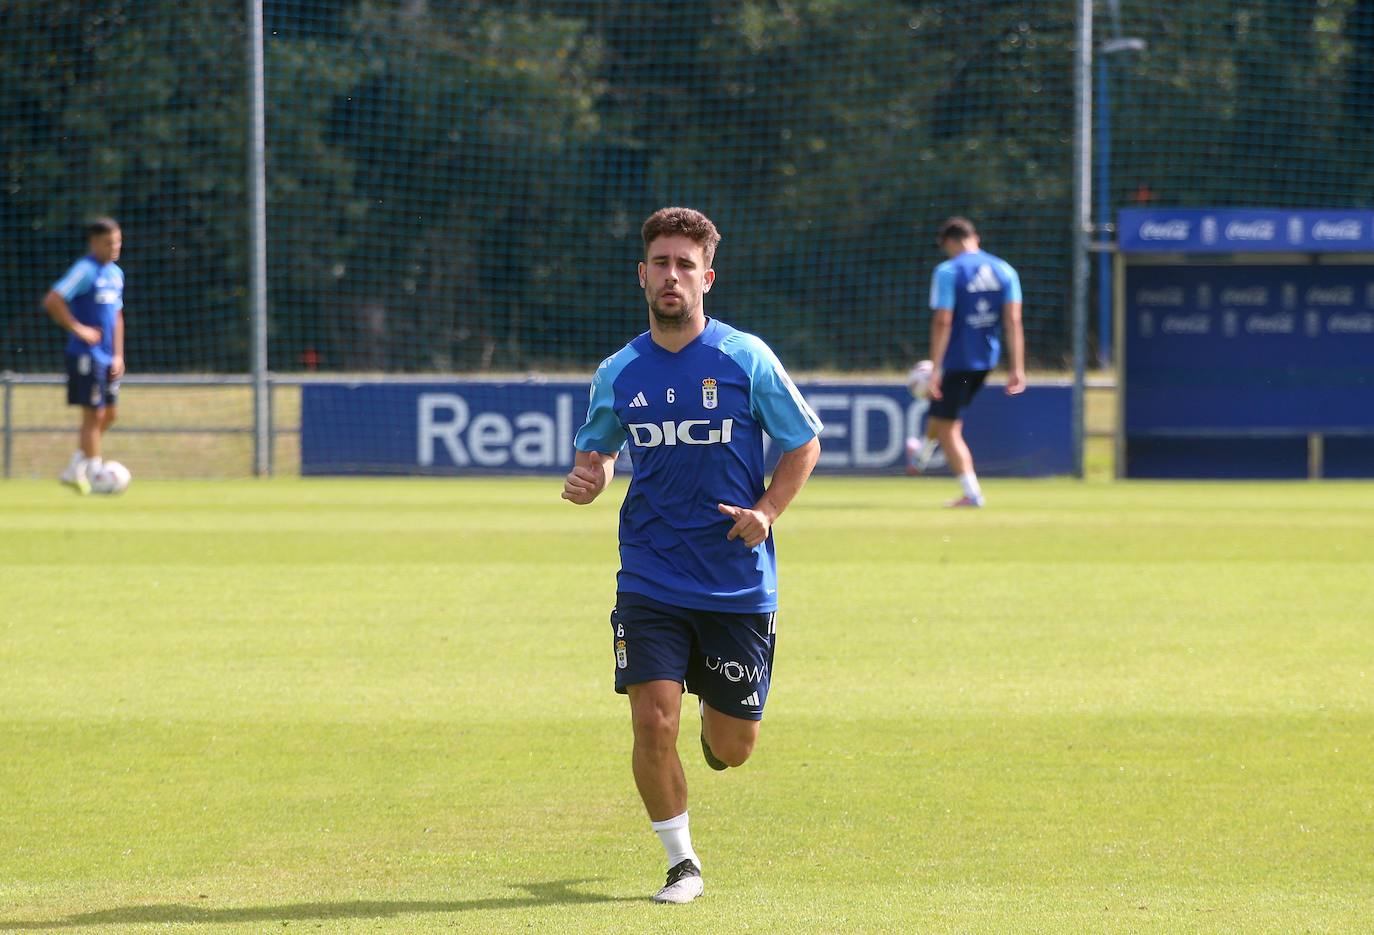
<point>1082,217</point>
<point>1104,210</point>
<point>1103,156</point>
<point>257,240</point>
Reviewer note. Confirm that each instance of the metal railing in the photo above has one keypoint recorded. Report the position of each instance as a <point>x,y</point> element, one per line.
<point>250,427</point>
<point>8,430</point>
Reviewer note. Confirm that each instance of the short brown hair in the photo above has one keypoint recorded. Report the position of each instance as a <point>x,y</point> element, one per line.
<point>97,226</point>
<point>956,228</point>
<point>686,222</point>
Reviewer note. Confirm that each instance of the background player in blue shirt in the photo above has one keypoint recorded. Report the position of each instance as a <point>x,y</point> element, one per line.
<point>697,588</point>
<point>88,302</point>
<point>976,299</point>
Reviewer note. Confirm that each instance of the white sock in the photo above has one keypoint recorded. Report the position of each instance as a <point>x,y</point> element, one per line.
<point>677,840</point>
<point>928,446</point>
<point>93,465</point>
<point>969,481</point>
<point>77,457</point>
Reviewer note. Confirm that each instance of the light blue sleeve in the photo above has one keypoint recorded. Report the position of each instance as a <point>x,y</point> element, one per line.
<point>602,431</point>
<point>78,280</point>
<point>1012,293</point>
<point>773,398</point>
<point>942,286</point>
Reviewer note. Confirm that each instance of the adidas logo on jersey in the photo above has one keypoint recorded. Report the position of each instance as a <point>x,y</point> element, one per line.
<point>638,401</point>
<point>752,700</point>
<point>985,280</point>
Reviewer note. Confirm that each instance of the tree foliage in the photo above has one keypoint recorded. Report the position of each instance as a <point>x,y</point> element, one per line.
<point>457,184</point>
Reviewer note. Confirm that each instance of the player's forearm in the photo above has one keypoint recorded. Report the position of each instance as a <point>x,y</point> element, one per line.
<point>59,311</point>
<point>1016,337</point>
<point>1016,347</point>
<point>119,335</point>
<point>940,327</point>
<point>791,474</point>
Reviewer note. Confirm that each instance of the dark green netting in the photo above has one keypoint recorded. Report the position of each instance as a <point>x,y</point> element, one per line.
<point>458,186</point>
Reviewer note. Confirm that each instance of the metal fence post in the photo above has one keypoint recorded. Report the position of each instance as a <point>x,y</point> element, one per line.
<point>257,237</point>
<point>271,426</point>
<point>9,421</point>
<point>1082,219</point>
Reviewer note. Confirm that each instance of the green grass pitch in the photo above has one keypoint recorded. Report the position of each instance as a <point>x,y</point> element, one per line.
<point>385,706</point>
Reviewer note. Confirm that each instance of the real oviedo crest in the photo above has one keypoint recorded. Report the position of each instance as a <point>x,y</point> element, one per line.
<point>708,393</point>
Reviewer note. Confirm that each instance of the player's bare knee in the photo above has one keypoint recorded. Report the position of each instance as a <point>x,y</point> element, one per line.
<point>654,726</point>
<point>108,417</point>
<point>655,735</point>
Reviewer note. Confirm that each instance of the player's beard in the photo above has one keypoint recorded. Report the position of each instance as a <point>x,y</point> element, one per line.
<point>673,318</point>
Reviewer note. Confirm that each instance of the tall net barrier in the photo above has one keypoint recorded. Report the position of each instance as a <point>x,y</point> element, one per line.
<point>479,172</point>
<point>457,187</point>
<point>1265,104</point>
<point>135,110</point>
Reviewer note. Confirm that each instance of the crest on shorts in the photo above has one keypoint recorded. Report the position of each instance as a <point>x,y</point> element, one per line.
<point>709,400</point>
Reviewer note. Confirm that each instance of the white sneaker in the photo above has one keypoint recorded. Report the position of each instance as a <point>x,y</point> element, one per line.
<point>684,884</point>
<point>965,502</point>
<point>68,475</point>
<point>75,476</point>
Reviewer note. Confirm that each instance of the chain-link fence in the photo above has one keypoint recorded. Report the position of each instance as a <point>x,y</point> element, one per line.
<point>457,186</point>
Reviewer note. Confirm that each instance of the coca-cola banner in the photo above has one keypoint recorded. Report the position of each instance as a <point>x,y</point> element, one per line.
<point>1230,230</point>
<point>1229,368</point>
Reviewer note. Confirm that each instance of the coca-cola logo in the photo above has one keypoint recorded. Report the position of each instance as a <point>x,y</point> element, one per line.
<point>1358,323</point>
<point>1251,230</point>
<point>1186,324</point>
<point>1255,295</point>
<point>1337,230</point>
<point>1164,230</point>
<point>1270,324</point>
<point>1331,295</point>
<point>1169,298</point>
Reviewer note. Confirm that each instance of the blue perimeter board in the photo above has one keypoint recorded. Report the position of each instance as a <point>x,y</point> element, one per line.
<point>474,427</point>
<point>1230,362</point>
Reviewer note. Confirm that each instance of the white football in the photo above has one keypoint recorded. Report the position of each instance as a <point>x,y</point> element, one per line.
<point>112,477</point>
<point>918,380</point>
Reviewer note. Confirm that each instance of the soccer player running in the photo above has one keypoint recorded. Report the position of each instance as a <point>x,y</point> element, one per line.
<point>976,298</point>
<point>697,587</point>
<point>88,303</point>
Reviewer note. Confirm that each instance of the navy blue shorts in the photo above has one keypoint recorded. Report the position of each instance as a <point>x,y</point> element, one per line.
<point>957,389</point>
<point>88,382</point>
<point>725,659</point>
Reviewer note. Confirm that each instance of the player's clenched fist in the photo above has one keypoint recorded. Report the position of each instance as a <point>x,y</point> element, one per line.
<point>585,481</point>
<point>751,526</point>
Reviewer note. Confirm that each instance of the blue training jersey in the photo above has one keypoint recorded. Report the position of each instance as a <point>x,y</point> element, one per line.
<point>695,422</point>
<point>975,286</point>
<point>95,294</point>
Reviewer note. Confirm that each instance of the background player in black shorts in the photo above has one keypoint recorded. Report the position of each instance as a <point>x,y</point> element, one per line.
<point>976,299</point>
<point>88,303</point>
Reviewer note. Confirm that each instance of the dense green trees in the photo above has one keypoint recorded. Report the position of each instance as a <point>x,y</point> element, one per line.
<point>458,185</point>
